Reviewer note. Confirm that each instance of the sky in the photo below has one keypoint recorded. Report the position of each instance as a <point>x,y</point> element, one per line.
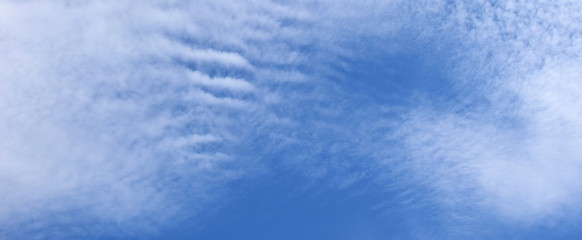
<point>290,119</point>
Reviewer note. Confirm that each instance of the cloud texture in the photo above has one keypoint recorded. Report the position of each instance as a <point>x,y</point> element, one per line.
<point>120,116</point>
<point>115,115</point>
<point>110,109</point>
<point>510,148</point>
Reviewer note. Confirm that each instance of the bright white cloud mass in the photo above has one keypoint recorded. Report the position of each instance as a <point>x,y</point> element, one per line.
<point>121,118</point>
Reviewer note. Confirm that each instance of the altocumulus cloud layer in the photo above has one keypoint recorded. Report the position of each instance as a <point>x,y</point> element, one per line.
<point>119,117</point>
<point>115,115</point>
<point>510,149</point>
<point>110,109</point>
<point>102,114</point>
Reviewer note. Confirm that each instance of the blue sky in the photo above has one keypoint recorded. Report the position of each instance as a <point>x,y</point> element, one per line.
<point>301,119</point>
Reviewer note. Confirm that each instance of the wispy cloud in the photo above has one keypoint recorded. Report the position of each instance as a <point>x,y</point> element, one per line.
<point>109,109</point>
<point>120,113</point>
<point>513,153</point>
<point>117,111</point>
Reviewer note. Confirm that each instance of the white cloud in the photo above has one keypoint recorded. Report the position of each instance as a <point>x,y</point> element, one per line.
<point>124,110</point>
<point>516,153</point>
<point>118,111</point>
<point>233,84</point>
<point>99,116</point>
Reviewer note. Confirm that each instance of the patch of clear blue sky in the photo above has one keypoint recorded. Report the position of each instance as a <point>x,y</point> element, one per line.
<point>283,204</point>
